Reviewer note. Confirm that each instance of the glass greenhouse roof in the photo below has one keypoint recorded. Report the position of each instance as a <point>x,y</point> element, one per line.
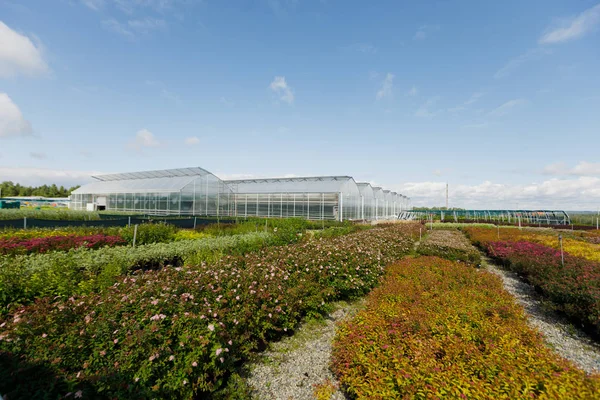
<point>168,180</point>
<point>165,173</point>
<point>313,184</point>
<point>170,184</point>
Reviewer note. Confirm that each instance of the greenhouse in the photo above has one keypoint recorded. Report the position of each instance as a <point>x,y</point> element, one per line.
<point>185,191</point>
<point>195,191</point>
<point>322,197</point>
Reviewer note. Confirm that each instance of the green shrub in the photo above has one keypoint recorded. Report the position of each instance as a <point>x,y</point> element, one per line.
<point>449,244</point>
<point>149,233</point>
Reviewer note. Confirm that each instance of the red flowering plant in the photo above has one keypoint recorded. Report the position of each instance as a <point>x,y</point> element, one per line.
<point>14,246</point>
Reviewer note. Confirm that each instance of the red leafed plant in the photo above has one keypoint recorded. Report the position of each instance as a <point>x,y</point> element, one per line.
<point>14,246</point>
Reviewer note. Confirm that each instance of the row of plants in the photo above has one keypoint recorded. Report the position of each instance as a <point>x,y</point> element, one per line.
<point>440,329</point>
<point>576,244</point>
<point>570,283</point>
<point>146,233</point>
<point>178,332</point>
<point>573,288</point>
<point>80,270</point>
<point>450,244</point>
<point>25,278</point>
<point>51,214</point>
<point>13,247</point>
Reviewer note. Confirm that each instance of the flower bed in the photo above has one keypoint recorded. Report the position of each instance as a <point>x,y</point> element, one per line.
<point>57,243</point>
<point>440,329</point>
<point>574,243</point>
<point>450,244</point>
<point>573,289</point>
<point>178,332</point>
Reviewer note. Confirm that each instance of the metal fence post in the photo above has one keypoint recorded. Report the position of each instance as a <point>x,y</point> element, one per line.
<point>24,222</point>
<point>134,234</point>
<point>562,254</point>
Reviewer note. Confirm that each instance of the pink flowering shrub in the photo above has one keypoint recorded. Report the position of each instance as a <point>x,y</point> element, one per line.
<point>178,332</point>
<point>574,289</point>
<point>15,245</point>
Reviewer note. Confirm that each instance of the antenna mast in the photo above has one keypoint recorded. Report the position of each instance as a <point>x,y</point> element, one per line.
<point>446,195</point>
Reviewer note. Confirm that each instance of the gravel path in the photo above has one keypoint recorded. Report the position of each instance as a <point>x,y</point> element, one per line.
<point>567,340</point>
<point>291,368</point>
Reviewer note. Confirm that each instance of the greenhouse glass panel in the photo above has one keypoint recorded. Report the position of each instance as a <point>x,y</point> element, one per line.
<point>379,203</point>
<point>332,197</point>
<point>367,201</point>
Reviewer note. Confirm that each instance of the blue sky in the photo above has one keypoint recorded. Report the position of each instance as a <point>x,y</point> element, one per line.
<point>500,99</point>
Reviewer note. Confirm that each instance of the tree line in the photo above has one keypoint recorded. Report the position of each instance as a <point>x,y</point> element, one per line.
<point>9,189</point>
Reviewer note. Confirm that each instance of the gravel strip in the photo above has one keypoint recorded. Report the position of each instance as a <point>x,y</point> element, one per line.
<point>567,340</point>
<point>291,368</point>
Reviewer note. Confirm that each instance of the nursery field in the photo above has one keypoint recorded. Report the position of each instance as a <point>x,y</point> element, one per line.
<point>86,314</point>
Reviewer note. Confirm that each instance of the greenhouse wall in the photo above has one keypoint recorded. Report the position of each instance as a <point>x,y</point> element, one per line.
<point>318,198</point>
<point>367,199</point>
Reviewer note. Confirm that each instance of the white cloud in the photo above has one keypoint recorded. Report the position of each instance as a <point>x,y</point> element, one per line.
<point>44,176</point>
<point>19,55</point>
<point>574,28</point>
<point>507,107</point>
<point>144,139</point>
<point>134,27</point>
<point>413,91</point>
<point>115,26</point>
<point>424,31</point>
<point>280,87</point>
<point>226,101</point>
<point>93,4</point>
<point>12,122</point>
<point>569,194</point>
<point>584,168</point>
<point>386,87</point>
<point>473,99</point>
<point>193,140</point>
<point>425,110</point>
<point>38,155</point>
<point>161,6</point>
<point>147,24</point>
<point>515,63</point>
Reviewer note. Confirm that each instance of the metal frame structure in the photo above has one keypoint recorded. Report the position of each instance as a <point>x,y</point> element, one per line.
<point>539,217</point>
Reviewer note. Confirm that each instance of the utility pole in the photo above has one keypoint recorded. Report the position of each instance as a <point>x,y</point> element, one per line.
<point>446,195</point>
